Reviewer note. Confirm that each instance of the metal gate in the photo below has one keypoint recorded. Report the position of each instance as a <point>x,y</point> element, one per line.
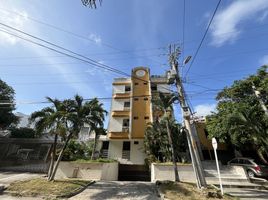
<point>129,172</point>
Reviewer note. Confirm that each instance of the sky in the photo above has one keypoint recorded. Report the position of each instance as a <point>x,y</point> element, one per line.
<point>125,34</point>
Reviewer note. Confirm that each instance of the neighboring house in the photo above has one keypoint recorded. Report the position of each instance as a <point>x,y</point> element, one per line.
<point>24,120</point>
<point>131,110</point>
<point>224,153</point>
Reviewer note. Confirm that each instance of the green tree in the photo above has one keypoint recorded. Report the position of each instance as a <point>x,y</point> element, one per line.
<point>22,132</point>
<point>164,104</point>
<point>51,120</point>
<point>240,119</point>
<point>7,118</point>
<point>66,118</point>
<point>76,114</point>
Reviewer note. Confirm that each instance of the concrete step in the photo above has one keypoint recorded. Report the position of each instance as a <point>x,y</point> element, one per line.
<point>227,180</point>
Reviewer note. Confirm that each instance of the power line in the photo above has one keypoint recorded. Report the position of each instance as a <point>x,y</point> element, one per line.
<point>85,99</point>
<point>68,32</point>
<point>183,33</point>
<point>60,29</point>
<point>204,36</point>
<point>91,61</point>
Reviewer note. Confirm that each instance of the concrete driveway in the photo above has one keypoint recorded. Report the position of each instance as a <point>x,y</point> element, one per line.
<point>115,190</point>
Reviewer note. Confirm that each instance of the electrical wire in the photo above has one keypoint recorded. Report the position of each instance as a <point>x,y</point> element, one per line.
<point>85,59</point>
<point>203,38</point>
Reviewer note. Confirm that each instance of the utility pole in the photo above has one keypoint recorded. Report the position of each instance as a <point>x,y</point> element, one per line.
<point>257,94</point>
<point>174,77</point>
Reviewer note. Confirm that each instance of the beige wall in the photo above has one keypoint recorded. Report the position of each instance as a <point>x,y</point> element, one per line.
<point>115,149</point>
<point>137,154</point>
<point>88,171</point>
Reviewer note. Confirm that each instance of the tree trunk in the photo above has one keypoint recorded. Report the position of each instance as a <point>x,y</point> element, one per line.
<point>261,156</point>
<point>60,157</point>
<point>94,147</point>
<point>173,153</point>
<point>52,157</point>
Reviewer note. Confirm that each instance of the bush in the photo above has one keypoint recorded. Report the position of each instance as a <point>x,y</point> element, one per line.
<point>76,150</point>
<point>22,132</point>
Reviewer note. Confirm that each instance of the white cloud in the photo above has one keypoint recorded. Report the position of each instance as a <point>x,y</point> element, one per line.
<point>225,27</point>
<point>95,38</point>
<point>204,109</point>
<point>264,60</point>
<point>16,21</point>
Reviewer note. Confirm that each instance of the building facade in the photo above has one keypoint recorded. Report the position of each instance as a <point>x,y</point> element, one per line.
<point>131,110</point>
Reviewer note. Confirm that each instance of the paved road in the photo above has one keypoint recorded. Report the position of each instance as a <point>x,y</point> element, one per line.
<point>115,190</point>
<point>247,193</point>
<point>8,177</point>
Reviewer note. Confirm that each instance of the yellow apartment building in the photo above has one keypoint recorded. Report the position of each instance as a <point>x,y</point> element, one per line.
<point>131,110</point>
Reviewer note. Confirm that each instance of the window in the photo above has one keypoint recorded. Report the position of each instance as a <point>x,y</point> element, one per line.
<point>136,83</point>
<point>127,88</point>
<point>146,117</point>
<point>126,104</point>
<point>136,117</point>
<point>145,99</point>
<point>154,87</point>
<point>145,83</point>
<point>126,146</point>
<point>126,123</point>
<point>136,142</point>
<point>105,145</point>
<point>234,161</point>
<point>136,99</point>
<point>247,162</point>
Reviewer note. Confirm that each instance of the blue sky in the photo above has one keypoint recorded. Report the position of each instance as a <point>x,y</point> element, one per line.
<point>124,34</point>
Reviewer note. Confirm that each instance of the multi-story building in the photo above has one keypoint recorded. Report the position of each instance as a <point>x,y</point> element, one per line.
<point>131,110</point>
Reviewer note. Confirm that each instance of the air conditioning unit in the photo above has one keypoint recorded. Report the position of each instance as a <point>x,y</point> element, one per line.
<point>171,76</point>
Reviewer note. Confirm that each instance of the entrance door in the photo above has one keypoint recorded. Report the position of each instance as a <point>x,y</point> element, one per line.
<point>126,150</point>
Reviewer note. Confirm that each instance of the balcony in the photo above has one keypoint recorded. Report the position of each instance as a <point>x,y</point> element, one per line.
<point>122,95</point>
<point>122,81</point>
<point>121,113</point>
<point>118,135</point>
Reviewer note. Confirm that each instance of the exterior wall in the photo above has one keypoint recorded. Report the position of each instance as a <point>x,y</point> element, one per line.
<point>115,149</point>
<point>164,88</point>
<point>137,154</point>
<point>88,171</point>
<point>119,89</point>
<point>116,124</point>
<point>141,108</point>
<point>118,104</point>
<point>162,172</point>
<point>205,142</point>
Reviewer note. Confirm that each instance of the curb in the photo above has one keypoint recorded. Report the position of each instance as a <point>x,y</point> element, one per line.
<point>260,187</point>
<point>75,192</point>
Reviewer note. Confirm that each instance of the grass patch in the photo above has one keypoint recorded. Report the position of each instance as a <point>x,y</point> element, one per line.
<point>187,191</point>
<point>100,160</point>
<point>170,163</point>
<point>42,187</point>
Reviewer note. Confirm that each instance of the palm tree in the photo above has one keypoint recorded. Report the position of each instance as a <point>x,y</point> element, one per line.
<point>90,3</point>
<point>49,120</point>
<point>77,114</point>
<point>164,103</point>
